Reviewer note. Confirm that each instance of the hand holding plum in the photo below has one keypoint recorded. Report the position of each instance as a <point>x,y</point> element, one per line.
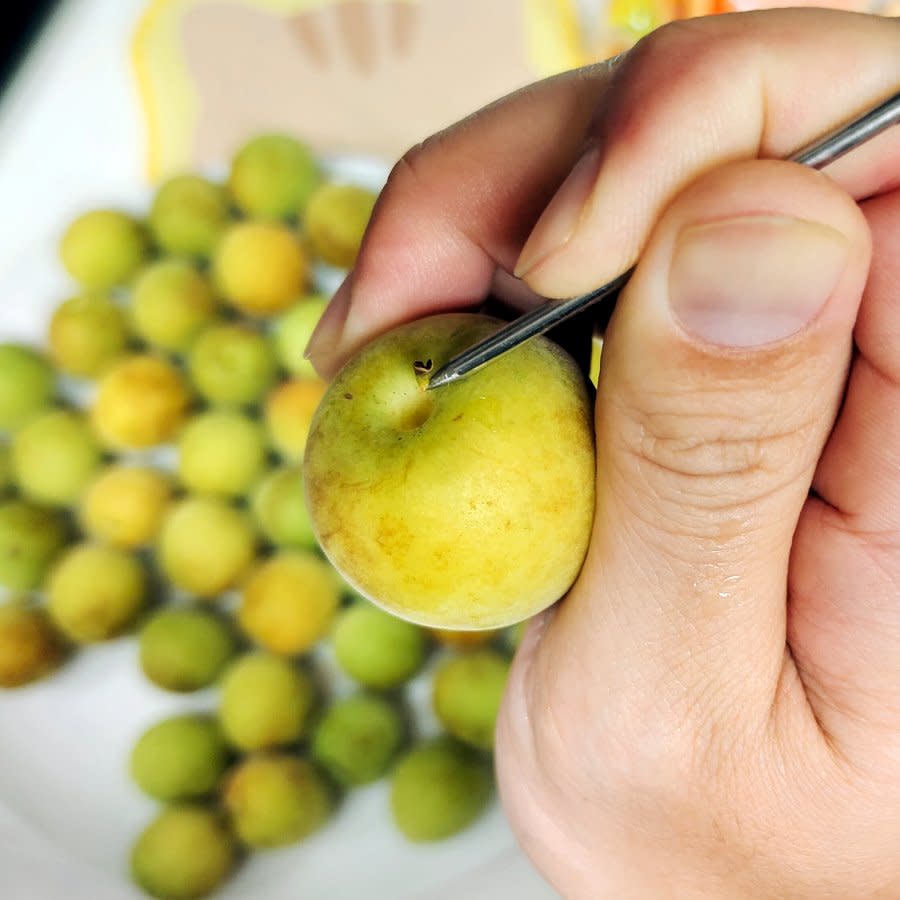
<point>713,710</point>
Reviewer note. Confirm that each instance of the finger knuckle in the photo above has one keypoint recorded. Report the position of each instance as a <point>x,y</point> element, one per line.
<point>681,46</point>
<point>665,70</point>
<point>412,173</point>
<point>406,173</point>
<point>709,453</point>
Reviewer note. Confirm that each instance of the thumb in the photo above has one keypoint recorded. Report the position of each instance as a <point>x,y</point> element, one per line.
<point>722,373</point>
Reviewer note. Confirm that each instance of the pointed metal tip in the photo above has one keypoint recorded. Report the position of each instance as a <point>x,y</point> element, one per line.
<point>440,378</point>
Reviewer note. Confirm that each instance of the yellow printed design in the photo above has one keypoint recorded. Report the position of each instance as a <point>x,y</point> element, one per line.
<point>362,76</point>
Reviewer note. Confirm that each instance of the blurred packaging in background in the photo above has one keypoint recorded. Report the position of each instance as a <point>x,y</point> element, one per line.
<point>365,76</point>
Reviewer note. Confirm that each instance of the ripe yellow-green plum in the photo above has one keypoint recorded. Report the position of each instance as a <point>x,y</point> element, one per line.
<point>124,505</point>
<point>188,216</point>
<point>171,304</point>
<point>103,248</point>
<point>358,738</point>
<point>466,695</point>
<point>289,412</point>
<point>184,854</point>
<point>95,593</point>
<point>31,537</point>
<point>272,176</point>
<point>184,650</point>
<point>377,649</point>
<point>279,508</point>
<point>27,385</point>
<point>232,365</point>
<point>30,647</point>
<point>205,546</point>
<point>289,602</point>
<point>182,758</point>
<point>54,457</point>
<point>266,702</point>
<point>479,495</point>
<point>292,332</point>
<point>221,453</point>
<point>275,799</point>
<point>335,221</point>
<point>141,402</point>
<point>87,334</point>
<point>439,788</point>
<point>260,267</point>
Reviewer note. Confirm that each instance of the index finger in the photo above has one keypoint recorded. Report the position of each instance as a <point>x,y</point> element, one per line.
<point>700,93</point>
<point>693,95</point>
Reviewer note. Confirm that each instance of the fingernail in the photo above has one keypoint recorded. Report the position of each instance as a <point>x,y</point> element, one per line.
<point>753,280</point>
<point>327,334</point>
<point>560,219</point>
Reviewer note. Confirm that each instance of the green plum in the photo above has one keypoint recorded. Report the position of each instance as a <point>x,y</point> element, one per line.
<point>358,738</point>
<point>222,453</point>
<point>289,602</point>
<point>266,702</point>
<point>171,304</point>
<point>288,413</point>
<point>87,334</point>
<point>335,222</point>
<point>95,593</point>
<point>260,267</point>
<point>273,176</point>
<point>275,799</point>
<point>184,854</point>
<point>141,402</point>
<point>27,385</point>
<point>466,695</point>
<point>438,789</point>
<point>279,508</point>
<point>188,216</point>
<point>124,505</point>
<point>292,332</point>
<point>377,649</point>
<point>182,758</point>
<point>103,248</point>
<point>419,497</point>
<point>30,647</point>
<point>232,365</point>
<point>54,457</point>
<point>185,649</point>
<point>205,546</point>
<point>31,537</point>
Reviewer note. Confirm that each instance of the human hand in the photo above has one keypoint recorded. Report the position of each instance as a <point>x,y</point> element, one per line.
<point>714,710</point>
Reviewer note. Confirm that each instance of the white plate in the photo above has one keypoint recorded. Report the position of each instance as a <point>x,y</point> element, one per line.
<point>68,812</point>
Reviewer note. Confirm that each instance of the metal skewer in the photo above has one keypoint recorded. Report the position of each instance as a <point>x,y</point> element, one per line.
<point>816,155</point>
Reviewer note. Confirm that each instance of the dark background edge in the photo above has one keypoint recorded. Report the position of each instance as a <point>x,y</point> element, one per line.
<point>23,24</point>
